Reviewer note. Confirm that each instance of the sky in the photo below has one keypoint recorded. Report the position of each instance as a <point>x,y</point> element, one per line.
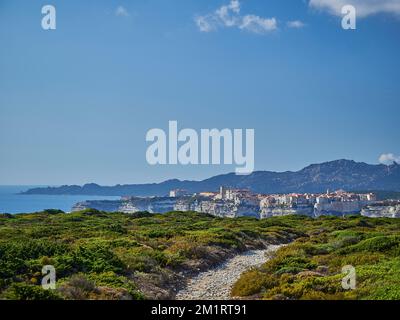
<point>76,102</point>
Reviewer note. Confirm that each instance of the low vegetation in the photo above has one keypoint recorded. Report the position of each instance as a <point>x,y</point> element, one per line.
<point>311,266</point>
<point>100,255</point>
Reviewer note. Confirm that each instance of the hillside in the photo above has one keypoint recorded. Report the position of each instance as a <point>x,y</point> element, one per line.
<point>143,256</point>
<point>339,174</point>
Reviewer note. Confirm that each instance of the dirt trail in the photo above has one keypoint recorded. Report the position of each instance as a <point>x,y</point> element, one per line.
<point>216,284</point>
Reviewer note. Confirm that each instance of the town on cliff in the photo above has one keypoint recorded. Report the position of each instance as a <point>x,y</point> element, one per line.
<point>232,203</point>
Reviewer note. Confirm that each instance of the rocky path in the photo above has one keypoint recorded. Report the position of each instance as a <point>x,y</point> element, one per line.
<point>216,284</point>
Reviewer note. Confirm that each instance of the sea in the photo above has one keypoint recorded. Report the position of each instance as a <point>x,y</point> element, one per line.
<point>11,201</point>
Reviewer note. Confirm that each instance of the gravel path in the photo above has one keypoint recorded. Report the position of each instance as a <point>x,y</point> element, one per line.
<point>216,284</point>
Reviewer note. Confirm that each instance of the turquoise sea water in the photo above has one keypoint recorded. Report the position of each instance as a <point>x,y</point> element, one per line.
<point>12,202</point>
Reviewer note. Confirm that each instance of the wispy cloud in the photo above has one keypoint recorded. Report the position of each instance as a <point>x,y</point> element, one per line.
<point>364,7</point>
<point>230,16</point>
<point>296,24</point>
<point>204,24</point>
<point>121,11</point>
<point>257,24</point>
<point>389,158</point>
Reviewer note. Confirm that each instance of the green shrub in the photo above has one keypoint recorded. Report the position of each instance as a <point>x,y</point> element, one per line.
<point>253,282</point>
<point>23,291</point>
<point>95,258</point>
<point>78,287</point>
<point>110,252</point>
<point>376,244</point>
<point>112,280</point>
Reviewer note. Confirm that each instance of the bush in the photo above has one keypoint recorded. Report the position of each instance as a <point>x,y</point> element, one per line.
<point>52,211</point>
<point>15,255</point>
<point>253,282</point>
<point>95,258</point>
<point>109,251</point>
<point>23,291</point>
<point>78,288</point>
<point>111,280</point>
<point>376,244</point>
<point>142,259</point>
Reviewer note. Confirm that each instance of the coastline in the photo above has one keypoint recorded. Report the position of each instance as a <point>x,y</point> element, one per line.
<point>13,202</point>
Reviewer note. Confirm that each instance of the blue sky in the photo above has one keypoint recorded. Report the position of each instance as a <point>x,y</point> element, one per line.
<point>76,102</point>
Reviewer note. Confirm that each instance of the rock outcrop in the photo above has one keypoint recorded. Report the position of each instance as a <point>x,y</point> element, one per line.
<point>129,205</point>
<point>234,209</point>
<point>338,208</point>
<point>382,210</point>
<point>268,212</point>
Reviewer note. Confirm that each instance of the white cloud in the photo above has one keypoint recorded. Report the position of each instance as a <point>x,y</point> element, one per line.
<point>229,16</point>
<point>364,8</point>
<point>121,12</point>
<point>258,25</point>
<point>388,158</point>
<point>296,24</point>
<point>204,23</point>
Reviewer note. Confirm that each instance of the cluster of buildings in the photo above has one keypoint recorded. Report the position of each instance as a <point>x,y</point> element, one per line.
<point>229,202</point>
<point>234,202</point>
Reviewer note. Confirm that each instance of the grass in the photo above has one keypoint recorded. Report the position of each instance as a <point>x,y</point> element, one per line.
<point>100,255</point>
<point>311,266</point>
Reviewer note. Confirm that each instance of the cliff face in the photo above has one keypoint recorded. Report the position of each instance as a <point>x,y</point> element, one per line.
<point>382,211</point>
<point>277,212</point>
<point>228,209</point>
<point>234,209</point>
<point>152,205</point>
<point>338,208</point>
<point>133,205</point>
<point>316,178</point>
<point>102,205</point>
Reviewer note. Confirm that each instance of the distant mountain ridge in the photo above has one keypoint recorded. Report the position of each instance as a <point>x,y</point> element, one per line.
<point>339,174</point>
